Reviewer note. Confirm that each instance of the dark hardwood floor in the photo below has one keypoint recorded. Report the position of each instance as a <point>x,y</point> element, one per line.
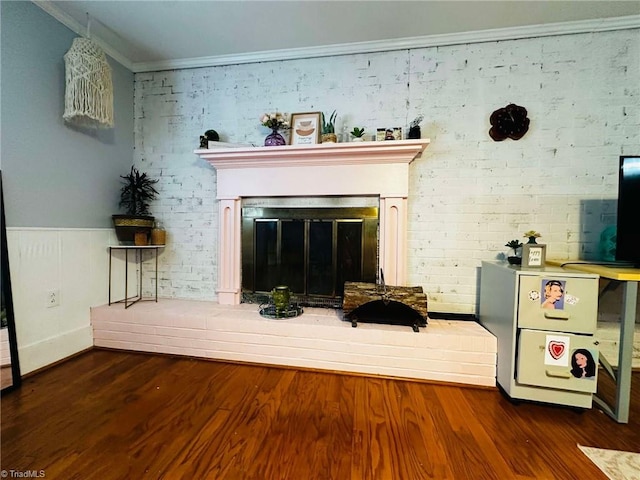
<point>121,415</point>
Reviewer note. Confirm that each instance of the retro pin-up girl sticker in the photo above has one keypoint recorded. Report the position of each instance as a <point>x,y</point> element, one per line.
<point>552,294</point>
<point>582,364</point>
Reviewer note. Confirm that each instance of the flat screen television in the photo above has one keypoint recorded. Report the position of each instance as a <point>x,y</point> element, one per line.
<point>628,226</point>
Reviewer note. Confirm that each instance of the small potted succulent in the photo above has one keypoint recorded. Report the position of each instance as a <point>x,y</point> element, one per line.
<point>514,245</point>
<point>329,129</point>
<point>358,134</point>
<point>135,225</point>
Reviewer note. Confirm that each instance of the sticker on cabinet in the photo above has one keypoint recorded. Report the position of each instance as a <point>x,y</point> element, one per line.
<point>583,364</point>
<point>552,294</point>
<point>557,350</point>
<point>571,300</point>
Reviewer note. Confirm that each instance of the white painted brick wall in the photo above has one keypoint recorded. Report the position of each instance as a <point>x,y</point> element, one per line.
<point>468,194</point>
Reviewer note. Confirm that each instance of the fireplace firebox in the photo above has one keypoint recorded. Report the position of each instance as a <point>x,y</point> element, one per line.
<point>314,251</point>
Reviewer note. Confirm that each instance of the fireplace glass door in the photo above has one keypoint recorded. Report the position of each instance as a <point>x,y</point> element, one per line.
<point>312,251</point>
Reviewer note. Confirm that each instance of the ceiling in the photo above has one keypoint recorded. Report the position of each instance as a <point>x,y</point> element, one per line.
<point>147,35</point>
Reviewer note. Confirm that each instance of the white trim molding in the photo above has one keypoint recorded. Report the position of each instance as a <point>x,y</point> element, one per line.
<point>82,30</point>
<point>478,36</point>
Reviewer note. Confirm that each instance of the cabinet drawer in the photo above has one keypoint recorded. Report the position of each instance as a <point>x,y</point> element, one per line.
<point>564,304</point>
<point>557,360</point>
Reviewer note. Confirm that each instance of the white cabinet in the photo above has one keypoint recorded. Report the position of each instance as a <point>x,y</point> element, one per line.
<point>544,320</point>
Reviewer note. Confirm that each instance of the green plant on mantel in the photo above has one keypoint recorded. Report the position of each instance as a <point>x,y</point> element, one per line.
<point>357,132</point>
<point>329,126</point>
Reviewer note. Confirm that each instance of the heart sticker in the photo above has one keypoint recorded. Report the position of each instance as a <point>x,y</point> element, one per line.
<point>556,349</point>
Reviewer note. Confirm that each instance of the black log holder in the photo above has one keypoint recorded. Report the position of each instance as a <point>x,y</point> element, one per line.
<point>387,312</point>
<point>374,303</point>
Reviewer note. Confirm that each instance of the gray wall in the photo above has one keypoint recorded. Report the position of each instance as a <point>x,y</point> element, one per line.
<point>55,175</point>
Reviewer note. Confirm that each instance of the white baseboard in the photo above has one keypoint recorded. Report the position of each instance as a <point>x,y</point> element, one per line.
<point>51,350</point>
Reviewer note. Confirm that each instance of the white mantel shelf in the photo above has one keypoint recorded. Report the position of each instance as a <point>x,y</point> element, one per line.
<point>350,153</point>
<point>335,169</point>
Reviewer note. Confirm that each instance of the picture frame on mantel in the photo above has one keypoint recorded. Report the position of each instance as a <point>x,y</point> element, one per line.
<point>388,133</point>
<point>533,255</point>
<point>306,128</point>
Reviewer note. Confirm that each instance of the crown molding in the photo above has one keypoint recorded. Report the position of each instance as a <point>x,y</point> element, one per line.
<point>72,24</point>
<point>511,33</point>
<point>479,36</point>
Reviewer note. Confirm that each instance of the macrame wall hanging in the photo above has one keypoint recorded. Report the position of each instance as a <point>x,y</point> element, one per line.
<point>88,99</point>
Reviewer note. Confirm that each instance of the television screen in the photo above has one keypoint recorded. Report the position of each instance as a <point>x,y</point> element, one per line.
<point>628,226</point>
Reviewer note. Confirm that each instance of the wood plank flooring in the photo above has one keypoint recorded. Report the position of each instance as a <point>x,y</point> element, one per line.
<point>121,415</point>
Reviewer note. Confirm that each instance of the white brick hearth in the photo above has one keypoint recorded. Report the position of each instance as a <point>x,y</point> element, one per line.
<point>449,351</point>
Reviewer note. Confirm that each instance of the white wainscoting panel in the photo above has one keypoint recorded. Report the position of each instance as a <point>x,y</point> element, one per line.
<point>72,262</point>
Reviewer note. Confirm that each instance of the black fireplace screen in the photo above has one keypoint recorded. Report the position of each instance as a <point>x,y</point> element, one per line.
<point>311,250</point>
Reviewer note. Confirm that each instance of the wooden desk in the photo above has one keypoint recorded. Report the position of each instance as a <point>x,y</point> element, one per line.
<point>629,277</point>
<point>128,301</point>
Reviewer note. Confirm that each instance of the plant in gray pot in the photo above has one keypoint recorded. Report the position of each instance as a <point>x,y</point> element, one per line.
<point>134,226</point>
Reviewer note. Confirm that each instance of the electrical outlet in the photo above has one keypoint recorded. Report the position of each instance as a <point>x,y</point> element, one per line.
<point>53,298</point>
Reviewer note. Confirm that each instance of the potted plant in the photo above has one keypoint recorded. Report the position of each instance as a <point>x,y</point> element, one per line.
<point>275,121</point>
<point>414,128</point>
<point>514,245</point>
<point>135,225</point>
<point>358,134</point>
<point>532,235</point>
<point>329,129</point>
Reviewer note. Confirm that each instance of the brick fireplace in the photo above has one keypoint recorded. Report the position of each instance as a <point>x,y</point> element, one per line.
<point>450,351</point>
<point>342,169</point>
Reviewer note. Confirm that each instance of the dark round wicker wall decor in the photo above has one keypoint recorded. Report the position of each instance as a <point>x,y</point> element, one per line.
<point>509,122</point>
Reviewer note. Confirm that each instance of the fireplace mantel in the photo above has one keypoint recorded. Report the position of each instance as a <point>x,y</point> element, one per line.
<point>356,168</point>
<point>323,154</point>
